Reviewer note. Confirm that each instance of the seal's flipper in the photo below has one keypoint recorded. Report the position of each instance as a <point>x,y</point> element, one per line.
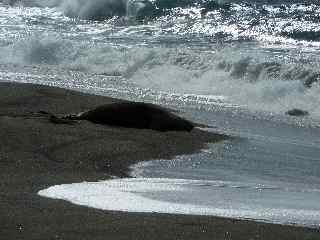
<point>54,119</point>
<point>58,120</point>
<point>72,116</point>
<point>44,112</point>
<point>200,125</point>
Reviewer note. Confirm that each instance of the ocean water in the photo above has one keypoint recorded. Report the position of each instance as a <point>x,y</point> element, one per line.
<point>236,65</point>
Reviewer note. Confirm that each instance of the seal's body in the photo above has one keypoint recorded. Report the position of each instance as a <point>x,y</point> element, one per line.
<point>297,112</point>
<point>135,115</point>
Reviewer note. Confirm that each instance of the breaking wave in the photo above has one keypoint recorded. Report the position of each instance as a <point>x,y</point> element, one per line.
<point>257,55</point>
<point>254,80</point>
<point>191,64</point>
<point>94,9</point>
<point>278,23</point>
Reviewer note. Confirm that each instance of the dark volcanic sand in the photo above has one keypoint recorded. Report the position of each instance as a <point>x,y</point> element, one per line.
<point>36,154</point>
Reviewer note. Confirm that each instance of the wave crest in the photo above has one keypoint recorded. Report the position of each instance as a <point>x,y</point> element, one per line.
<point>95,9</point>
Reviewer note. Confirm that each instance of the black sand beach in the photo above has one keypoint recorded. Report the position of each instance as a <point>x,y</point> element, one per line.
<point>36,153</point>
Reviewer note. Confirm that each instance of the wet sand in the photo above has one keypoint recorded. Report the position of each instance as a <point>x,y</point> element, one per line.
<point>36,153</point>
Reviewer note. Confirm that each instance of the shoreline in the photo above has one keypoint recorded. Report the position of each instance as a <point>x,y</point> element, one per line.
<point>36,154</point>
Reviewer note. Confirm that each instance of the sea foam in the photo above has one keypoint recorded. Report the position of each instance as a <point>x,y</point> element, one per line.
<point>149,195</point>
<point>96,9</point>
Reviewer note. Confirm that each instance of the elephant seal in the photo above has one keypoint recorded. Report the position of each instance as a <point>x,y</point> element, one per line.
<point>297,112</point>
<point>134,115</point>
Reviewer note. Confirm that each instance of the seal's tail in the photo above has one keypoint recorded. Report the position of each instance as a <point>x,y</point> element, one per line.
<point>57,120</point>
<point>71,117</point>
<point>200,125</point>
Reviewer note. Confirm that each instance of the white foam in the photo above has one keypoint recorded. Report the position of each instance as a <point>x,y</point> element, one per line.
<point>120,195</point>
<point>142,195</point>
